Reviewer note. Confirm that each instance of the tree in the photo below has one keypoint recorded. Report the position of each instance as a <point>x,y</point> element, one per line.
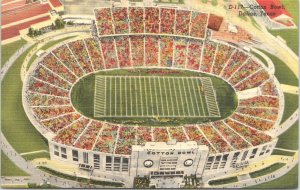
<point>59,24</point>
<point>30,33</point>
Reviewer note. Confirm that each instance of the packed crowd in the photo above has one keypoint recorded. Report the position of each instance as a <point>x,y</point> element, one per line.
<point>120,20</point>
<point>48,88</point>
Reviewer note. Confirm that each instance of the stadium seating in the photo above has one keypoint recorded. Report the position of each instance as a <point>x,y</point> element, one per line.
<point>136,15</point>
<point>44,88</point>
<point>269,88</point>
<point>182,22</point>
<point>253,81</point>
<point>217,141</point>
<point>250,134</point>
<point>143,135</point>
<point>235,140</point>
<point>236,60</point>
<point>44,100</point>
<point>166,51</point>
<point>198,24</point>
<point>125,140</point>
<point>50,112</point>
<point>260,101</point>
<point>45,75</point>
<point>194,54</point>
<point>123,49</point>
<point>79,51</point>
<point>222,56</point>
<point>151,20</point>
<point>167,21</point>
<point>194,134</point>
<point>208,56</point>
<point>180,53</point>
<point>109,53</point>
<point>104,21</point>
<point>256,123</point>
<point>60,122</point>
<point>137,50</point>
<point>160,134</point>
<point>264,113</point>
<point>107,139</point>
<point>177,134</point>
<point>54,65</point>
<point>69,135</point>
<point>65,56</point>
<point>94,50</point>
<point>150,39</point>
<point>246,70</point>
<point>87,139</point>
<point>151,51</point>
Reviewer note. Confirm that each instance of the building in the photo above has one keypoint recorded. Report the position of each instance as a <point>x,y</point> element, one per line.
<point>26,14</point>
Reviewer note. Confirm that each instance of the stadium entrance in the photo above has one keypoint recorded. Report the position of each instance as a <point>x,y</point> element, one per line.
<point>166,164</point>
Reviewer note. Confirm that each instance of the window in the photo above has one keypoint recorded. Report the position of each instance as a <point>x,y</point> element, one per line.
<point>96,161</point>
<point>244,155</point>
<point>56,150</point>
<point>75,155</point>
<point>263,150</point>
<point>117,163</point>
<point>253,153</point>
<point>63,152</point>
<point>85,158</point>
<point>108,163</point>
<point>56,153</point>
<point>125,164</point>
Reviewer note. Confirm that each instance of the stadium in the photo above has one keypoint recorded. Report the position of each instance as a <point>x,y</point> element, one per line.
<point>152,95</point>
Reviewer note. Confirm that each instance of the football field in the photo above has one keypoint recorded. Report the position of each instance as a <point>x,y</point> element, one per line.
<point>154,96</point>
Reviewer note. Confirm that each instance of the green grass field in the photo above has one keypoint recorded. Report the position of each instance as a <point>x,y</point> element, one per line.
<point>9,49</point>
<point>267,170</point>
<point>282,72</point>
<point>8,168</point>
<point>147,96</point>
<point>289,139</point>
<point>36,155</point>
<point>288,181</point>
<point>290,105</point>
<point>83,97</point>
<point>15,125</point>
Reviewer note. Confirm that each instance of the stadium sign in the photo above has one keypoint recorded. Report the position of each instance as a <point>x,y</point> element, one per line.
<point>169,152</point>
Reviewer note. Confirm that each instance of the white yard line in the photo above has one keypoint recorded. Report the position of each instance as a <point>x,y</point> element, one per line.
<point>175,91</point>
<point>166,94</point>
<point>140,84</point>
<point>188,84</point>
<point>150,95</point>
<point>171,95</point>
<point>186,100</point>
<point>146,97</point>
<point>161,99</point>
<point>115,96</point>
<point>155,87</point>
<point>195,94</point>
<point>131,101</point>
<point>182,104</point>
<point>126,96</point>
